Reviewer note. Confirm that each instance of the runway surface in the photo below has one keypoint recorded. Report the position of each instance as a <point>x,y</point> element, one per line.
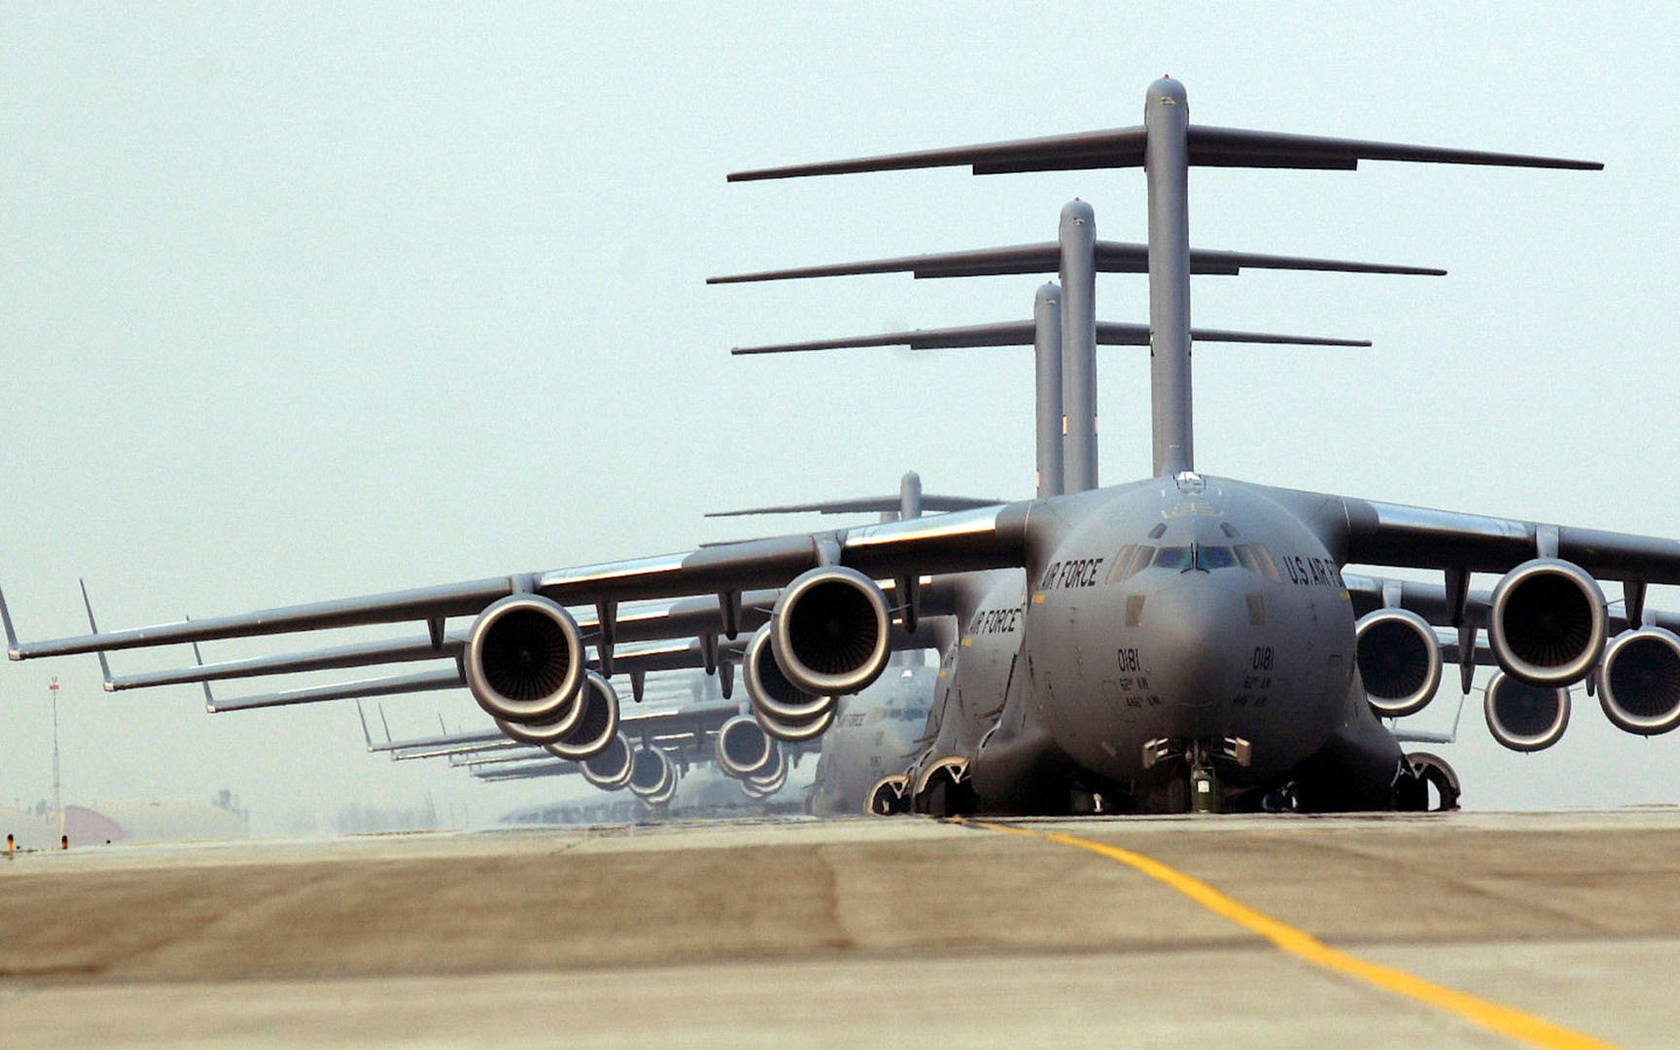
<point>853,932</point>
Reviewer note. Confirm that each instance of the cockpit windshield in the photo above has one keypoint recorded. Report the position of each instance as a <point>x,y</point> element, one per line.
<point>1134,558</point>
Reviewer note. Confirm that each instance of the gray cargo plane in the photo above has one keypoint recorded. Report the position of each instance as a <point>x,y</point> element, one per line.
<point>1180,634</point>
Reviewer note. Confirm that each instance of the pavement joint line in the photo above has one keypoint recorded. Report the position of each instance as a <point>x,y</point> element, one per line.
<point>1494,1017</point>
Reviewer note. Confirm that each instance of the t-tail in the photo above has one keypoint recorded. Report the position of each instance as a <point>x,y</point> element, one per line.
<point>1165,146</point>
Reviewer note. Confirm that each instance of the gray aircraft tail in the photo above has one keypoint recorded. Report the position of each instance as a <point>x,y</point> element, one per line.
<point>1020,333</point>
<point>1166,145</point>
<point>1110,257</point>
<point>909,503</point>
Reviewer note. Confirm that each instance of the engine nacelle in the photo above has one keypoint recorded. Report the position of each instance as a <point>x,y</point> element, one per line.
<point>743,747</point>
<point>1525,717</point>
<point>830,630</point>
<point>795,732</point>
<point>1547,623</point>
<point>609,769</point>
<point>1399,661</point>
<point>524,659</point>
<point>774,774</point>
<point>781,709</point>
<point>653,778</point>
<point>756,793</point>
<point>1639,681</point>
<point>597,723</point>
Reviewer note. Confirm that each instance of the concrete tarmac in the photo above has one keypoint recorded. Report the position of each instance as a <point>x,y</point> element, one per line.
<point>847,933</point>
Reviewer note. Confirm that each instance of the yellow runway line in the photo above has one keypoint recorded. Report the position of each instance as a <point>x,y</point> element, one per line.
<point>1494,1017</point>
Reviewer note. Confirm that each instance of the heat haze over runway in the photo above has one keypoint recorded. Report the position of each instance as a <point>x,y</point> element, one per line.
<point>754,933</point>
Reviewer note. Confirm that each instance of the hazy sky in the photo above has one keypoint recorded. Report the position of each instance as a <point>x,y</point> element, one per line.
<point>309,301</point>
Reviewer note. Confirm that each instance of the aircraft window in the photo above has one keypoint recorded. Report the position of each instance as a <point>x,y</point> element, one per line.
<point>1215,558</point>
<point>1117,571</point>
<point>1268,567</point>
<point>1172,558</point>
<point>1158,531</point>
<point>1140,560</point>
<point>1245,558</point>
<point>1228,529</point>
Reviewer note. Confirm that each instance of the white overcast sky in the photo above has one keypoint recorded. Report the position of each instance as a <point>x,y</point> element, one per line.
<point>305,301</point>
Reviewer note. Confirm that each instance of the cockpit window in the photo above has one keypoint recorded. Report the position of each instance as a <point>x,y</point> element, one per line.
<point>1172,558</point>
<point>1215,558</point>
<point>1117,570</point>
<point>1130,561</point>
<point>1257,559</point>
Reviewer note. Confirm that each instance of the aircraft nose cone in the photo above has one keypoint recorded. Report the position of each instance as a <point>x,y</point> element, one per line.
<point>1199,641</point>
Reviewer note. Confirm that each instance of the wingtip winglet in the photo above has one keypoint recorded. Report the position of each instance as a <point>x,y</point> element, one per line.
<point>209,697</point>
<point>13,650</point>
<point>93,628</point>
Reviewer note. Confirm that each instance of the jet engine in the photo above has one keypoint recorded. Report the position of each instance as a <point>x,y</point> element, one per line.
<point>743,748</point>
<point>524,659</point>
<point>784,711</point>
<point>1546,622</point>
<point>795,733</point>
<point>597,724</point>
<point>1399,661</point>
<point>1639,683</point>
<point>1525,717</point>
<point>770,781</point>
<point>610,768</point>
<point>829,629</point>
<point>653,778</point>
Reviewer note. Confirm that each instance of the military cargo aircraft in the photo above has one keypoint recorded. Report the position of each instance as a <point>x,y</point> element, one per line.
<point>1182,635</point>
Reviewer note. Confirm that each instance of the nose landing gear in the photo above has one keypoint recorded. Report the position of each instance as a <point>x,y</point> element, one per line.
<point>1205,794</point>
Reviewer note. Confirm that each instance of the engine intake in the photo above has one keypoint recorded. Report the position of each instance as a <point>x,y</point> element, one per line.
<point>1639,687</point>
<point>609,769</point>
<point>744,748</point>
<point>524,659</point>
<point>1546,622</point>
<point>1399,661</point>
<point>830,630</point>
<point>1525,717</point>
<point>597,725</point>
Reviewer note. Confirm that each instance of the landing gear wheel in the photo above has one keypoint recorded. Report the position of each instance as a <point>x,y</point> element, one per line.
<point>1282,799</point>
<point>1428,771</point>
<point>946,797</point>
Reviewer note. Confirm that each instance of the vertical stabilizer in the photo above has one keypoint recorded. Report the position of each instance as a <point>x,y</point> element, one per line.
<point>1077,235</point>
<point>1166,166</point>
<point>909,496</point>
<point>1047,381</point>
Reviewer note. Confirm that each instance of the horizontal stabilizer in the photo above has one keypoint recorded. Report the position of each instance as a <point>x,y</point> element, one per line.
<point>1111,257</point>
<point>1020,333</point>
<point>1124,148</point>
<point>875,505</point>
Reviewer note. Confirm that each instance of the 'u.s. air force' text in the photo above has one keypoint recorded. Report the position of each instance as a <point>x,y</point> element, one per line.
<point>1311,572</point>
<point>1078,572</point>
<point>996,621</point>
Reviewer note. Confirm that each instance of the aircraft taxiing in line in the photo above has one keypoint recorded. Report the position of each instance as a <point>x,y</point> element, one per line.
<point>1182,640</point>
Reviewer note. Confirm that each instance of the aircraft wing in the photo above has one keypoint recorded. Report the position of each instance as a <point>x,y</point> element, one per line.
<point>985,538</point>
<point>1367,532</point>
